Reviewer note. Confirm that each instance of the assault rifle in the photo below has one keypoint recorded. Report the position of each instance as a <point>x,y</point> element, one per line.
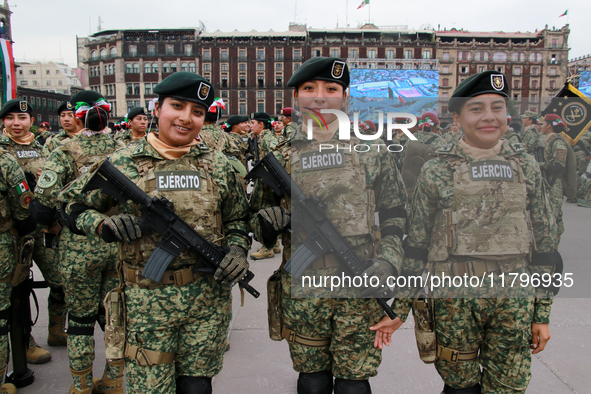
<point>539,156</point>
<point>158,216</point>
<point>252,152</point>
<point>308,212</point>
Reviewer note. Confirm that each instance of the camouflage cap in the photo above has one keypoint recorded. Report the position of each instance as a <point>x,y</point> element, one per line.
<point>477,84</point>
<point>529,114</point>
<point>331,69</point>
<point>187,86</point>
<point>18,106</point>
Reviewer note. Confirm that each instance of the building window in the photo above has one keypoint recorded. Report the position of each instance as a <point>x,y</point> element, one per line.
<point>554,43</point>
<point>516,83</point>
<point>278,94</point>
<point>552,70</point>
<point>464,69</point>
<point>224,55</point>
<point>133,50</point>
<point>278,54</point>
<point>534,97</point>
<point>155,68</point>
<point>242,67</point>
<point>552,84</point>
<point>408,54</point>
<point>113,51</point>
<point>371,53</point>
<point>32,72</point>
<point>173,67</point>
<point>136,68</point>
<point>151,50</point>
<point>481,69</point>
<point>445,81</point>
<point>242,94</point>
<point>35,83</point>
<point>535,57</point>
<point>260,94</point>
<point>129,105</point>
<point>242,54</point>
<point>242,108</point>
<point>500,56</point>
<point>206,67</point>
<point>278,66</point>
<point>481,56</point>
<point>148,88</point>
<point>128,68</point>
<point>189,50</point>
<point>517,56</point>
<point>103,54</point>
<point>426,54</point>
<point>446,56</point>
<point>278,81</point>
<point>129,89</point>
<point>390,54</point>
<point>224,67</point>
<point>184,67</point>
<point>316,53</point>
<point>44,103</point>
<point>192,67</point>
<point>260,54</point>
<point>165,67</point>
<point>297,54</point>
<point>224,82</point>
<point>260,66</point>
<point>353,53</point>
<point>48,82</point>
<point>242,81</point>
<point>534,84</point>
<point>23,83</point>
<point>500,69</point>
<point>224,94</point>
<point>147,68</point>
<point>111,90</point>
<point>535,71</point>
<point>462,56</point>
<point>170,49</point>
<point>261,81</point>
<point>261,107</point>
<point>516,70</point>
<point>93,55</point>
<point>136,89</point>
<point>335,53</point>
<point>47,72</point>
<point>296,66</point>
<point>207,55</point>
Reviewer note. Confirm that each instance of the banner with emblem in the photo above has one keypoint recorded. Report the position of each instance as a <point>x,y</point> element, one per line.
<point>574,108</point>
<point>8,77</point>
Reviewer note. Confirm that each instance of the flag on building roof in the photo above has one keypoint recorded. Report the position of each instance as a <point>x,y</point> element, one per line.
<point>565,12</point>
<point>8,77</point>
<point>363,4</point>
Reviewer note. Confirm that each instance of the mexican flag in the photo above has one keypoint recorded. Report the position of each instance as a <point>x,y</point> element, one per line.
<point>8,75</point>
<point>22,187</point>
<point>363,4</point>
<point>565,12</point>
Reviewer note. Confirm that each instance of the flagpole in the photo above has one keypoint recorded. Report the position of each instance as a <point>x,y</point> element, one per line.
<point>369,13</point>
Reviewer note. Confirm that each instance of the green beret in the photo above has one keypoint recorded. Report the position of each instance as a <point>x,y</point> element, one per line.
<point>16,106</point>
<point>86,96</point>
<point>135,111</point>
<point>187,86</point>
<point>529,114</point>
<point>262,116</point>
<point>476,85</point>
<point>65,106</point>
<point>235,119</point>
<point>331,69</point>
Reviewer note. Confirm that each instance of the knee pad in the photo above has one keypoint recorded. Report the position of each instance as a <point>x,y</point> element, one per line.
<point>344,386</point>
<point>193,385</point>
<point>86,322</point>
<point>315,383</point>
<point>468,390</point>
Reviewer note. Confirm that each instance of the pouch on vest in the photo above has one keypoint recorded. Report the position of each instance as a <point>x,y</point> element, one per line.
<point>114,304</point>
<point>24,254</point>
<point>423,314</point>
<point>274,309</point>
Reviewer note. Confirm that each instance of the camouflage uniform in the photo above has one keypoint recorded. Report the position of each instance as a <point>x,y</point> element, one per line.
<point>268,140</point>
<point>499,328</point>
<point>237,146</point>
<point>343,321</point>
<point>555,153</point>
<point>288,131</point>
<point>13,205</point>
<point>128,139</point>
<point>412,169</point>
<point>531,139</point>
<point>87,264</point>
<point>188,322</point>
<point>511,136</point>
<point>214,137</point>
<point>582,160</point>
<point>54,141</point>
<point>31,159</point>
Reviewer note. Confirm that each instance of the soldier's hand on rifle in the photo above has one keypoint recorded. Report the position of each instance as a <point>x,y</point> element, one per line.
<point>233,267</point>
<point>274,221</point>
<point>381,269</point>
<point>384,330</point>
<point>122,227</point>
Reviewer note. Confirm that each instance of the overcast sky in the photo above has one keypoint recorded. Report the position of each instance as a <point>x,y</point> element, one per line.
<point>47,30</point>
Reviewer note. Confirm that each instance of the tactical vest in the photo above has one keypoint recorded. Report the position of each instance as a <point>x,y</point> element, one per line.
<point>6,221</point>
<point>415,156</point>
<point>29,157</point>
<point>187,183</point>
<point>339,180</point>
<point>488,218</point>
<point>82,159</point>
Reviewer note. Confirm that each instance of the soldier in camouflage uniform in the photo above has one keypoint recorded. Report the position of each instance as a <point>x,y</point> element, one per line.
<point>555,152</point>
<point>21,144</point>
<point>237,128</point>
<point>14,220</point>
<point>288,127</point>
<point>87,264</point>
<point>44,133</point>
<point>531,135</point>
<point>261,123</point>
<point>138,121</point>
<point>329,337</point>
<point>489,333</point>
<point>211,133</point>
<point>69,128</point>
<point>177,328</point>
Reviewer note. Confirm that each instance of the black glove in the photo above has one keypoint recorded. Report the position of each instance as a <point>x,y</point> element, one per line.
<point>274,221</point>
<point>382,269</point>
<point>122,227</point>
<point>233,267</point>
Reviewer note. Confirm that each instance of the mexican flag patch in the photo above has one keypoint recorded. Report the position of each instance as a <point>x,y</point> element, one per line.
<point>22,187</point>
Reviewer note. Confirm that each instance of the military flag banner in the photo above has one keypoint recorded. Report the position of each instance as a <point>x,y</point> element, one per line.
<point>363,4</point>
<point>574,108</point>
<point>8,79</point>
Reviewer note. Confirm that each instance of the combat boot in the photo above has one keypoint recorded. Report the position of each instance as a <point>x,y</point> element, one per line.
<point>263,253</point>
<point>6,388</point>
<point>83,383</point>
<point>277,247</point>
<point>57,331</point>
<point>36,354</point>
<point>106,385</point>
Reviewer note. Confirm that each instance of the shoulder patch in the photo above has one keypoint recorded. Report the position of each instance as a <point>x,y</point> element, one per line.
<point>138,149</point>
<point>47,179</point>
<point>26,199</point>
<point>517,147</point>
<point>445,148</point>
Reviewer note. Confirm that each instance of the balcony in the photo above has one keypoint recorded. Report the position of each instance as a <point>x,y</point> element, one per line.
<point>554,62</point>
<point>448,60</point>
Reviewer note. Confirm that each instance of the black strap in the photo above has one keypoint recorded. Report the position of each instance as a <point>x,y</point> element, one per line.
<point>548,258</point>
<point>392,230</point>
<point>433,138</point>
<point>416,253</point>
<point>81,330</point>
<point>82,320</point>
<point>389,213</point>
<point>239,232</point>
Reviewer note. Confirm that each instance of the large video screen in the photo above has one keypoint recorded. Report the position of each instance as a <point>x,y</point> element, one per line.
<point>585,83</point>
<point>384,90</point>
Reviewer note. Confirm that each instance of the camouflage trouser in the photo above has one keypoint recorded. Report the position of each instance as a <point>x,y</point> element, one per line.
<point>6,267</point>
<point>45,259</point>
<point>84,262</point>
<point>584,192</point>
<point>500,328</point>
<point>556,199</point>
<point>191,321</point>
<point>346,321</point>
